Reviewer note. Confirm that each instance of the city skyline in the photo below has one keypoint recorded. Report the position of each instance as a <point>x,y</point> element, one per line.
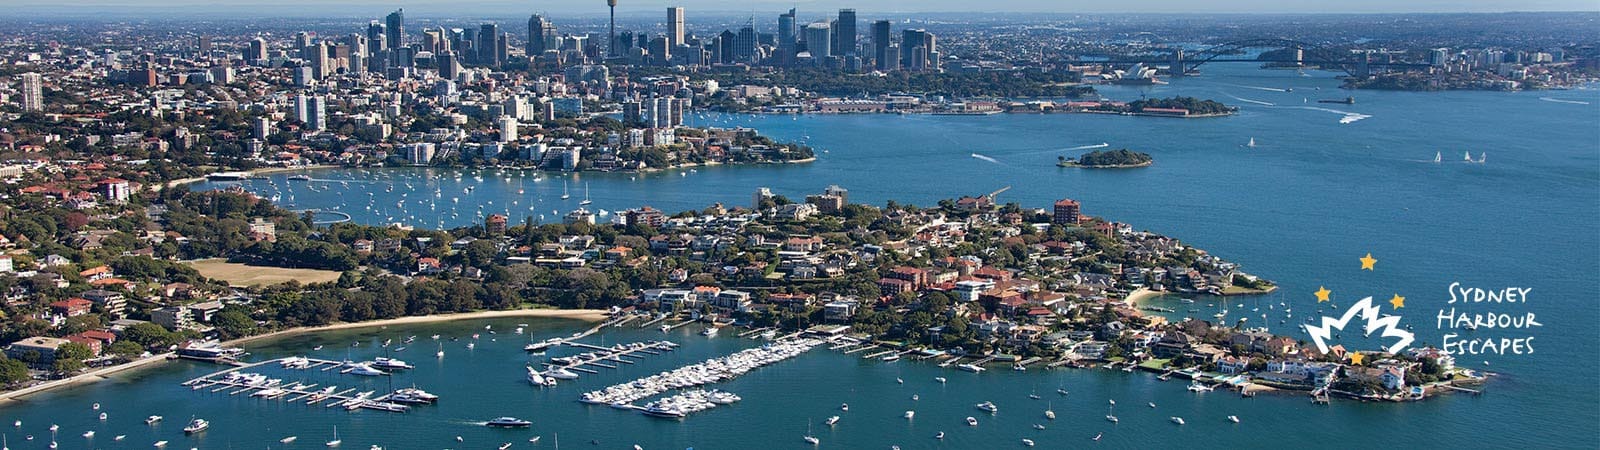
<point>296,8</point>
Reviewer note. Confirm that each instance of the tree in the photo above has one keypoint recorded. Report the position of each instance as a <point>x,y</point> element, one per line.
<point>125,348</point>
<point>12,371</point>
<point>232,323</point>
<point>70,356</point>
<point>148,335</point>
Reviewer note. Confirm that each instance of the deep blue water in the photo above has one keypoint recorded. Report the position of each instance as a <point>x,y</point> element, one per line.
<point>1314,195</point>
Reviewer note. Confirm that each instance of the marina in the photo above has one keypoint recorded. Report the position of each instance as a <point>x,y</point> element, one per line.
<point>240,380</point>
<point>711,371</point>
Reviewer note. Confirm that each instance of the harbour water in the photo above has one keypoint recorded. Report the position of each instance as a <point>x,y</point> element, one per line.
<point>1324,185</point>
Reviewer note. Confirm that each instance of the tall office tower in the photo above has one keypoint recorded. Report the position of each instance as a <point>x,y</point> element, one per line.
<point>541,35</point>
<point>880,44</point>
<point>303,45</point>
<point>377,38</point>
<point>844,43</point>
<point>303,76</point>
<point>32,92</point>
<point>448,67</point>
<point>787,39</point>
<point>321,63</point>
<point>202,44</point>
<point>660,53</point>
<point>918,50</point>
<point>744,45</point>
<point>502,49</point>
<point>394,29</point>
<point>674,26</point>
<point>725,46</point>
<point>818,40</point>
<point>257,50</point>
<point>436,41</point>
<point>488,39</point>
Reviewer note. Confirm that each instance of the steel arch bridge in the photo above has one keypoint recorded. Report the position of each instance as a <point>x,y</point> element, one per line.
<point>1309,54</point>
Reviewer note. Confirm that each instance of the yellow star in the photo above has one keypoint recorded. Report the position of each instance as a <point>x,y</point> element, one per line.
<point>1355,358</point>
<point>1398,301</point>
<point>1322,294</point>
<point>1368,261</point>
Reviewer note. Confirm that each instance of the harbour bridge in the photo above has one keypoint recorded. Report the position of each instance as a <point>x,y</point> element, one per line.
<point>1303,54</point>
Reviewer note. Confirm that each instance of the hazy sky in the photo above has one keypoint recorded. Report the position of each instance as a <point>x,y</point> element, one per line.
<point>767,7</point>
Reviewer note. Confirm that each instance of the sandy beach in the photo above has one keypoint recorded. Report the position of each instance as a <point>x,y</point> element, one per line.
<point>1141,294</point>
<point>588,315</point>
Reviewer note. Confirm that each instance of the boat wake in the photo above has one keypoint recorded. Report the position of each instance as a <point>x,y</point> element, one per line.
<point>985,158</point>
<point>1349,117</point>
<point>1086,147</point>
<point>1557,100</point>
<point>1246,100</point>
<point>1259,88</point>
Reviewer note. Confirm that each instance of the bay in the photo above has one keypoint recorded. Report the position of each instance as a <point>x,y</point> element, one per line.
<point>1318,191</point>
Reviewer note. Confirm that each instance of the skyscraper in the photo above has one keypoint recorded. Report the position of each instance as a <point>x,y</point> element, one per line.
<point>32,92</point>
<point>744,45</point>
<point>674,26</point>
<point>257,50</point>
<point>845,33</point>
<point>880,44</point>
<point>377,38</point>
<point>395,29</point>
<point>818,41</point>
<point>788,39</point>
<point>918,50</point>
<point>488,42</point>
<point>541,35</point>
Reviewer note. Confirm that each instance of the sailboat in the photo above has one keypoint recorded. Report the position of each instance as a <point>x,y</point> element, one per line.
<point>1483,157</point>
<point>809,438</point>
<point>1252,143</point>
<point>565,196</point>
<point>1468,156</point>
<point>335,442</point>
<point>1438,157</point>
<point>585,194</point>
<point>1049,411</point>
<point>1109,410</point>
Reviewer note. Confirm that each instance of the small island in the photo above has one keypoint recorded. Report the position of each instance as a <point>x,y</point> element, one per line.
<point>1183,107</point>
<point>1115,159</point>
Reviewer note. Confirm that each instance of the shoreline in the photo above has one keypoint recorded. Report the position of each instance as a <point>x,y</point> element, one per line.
<point>1141,294</point>
<point>253,173</point>
<point>1075,165</point>
<point>587,315</point>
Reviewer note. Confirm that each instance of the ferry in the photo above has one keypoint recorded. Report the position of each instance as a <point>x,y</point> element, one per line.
<point>508,422</point>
